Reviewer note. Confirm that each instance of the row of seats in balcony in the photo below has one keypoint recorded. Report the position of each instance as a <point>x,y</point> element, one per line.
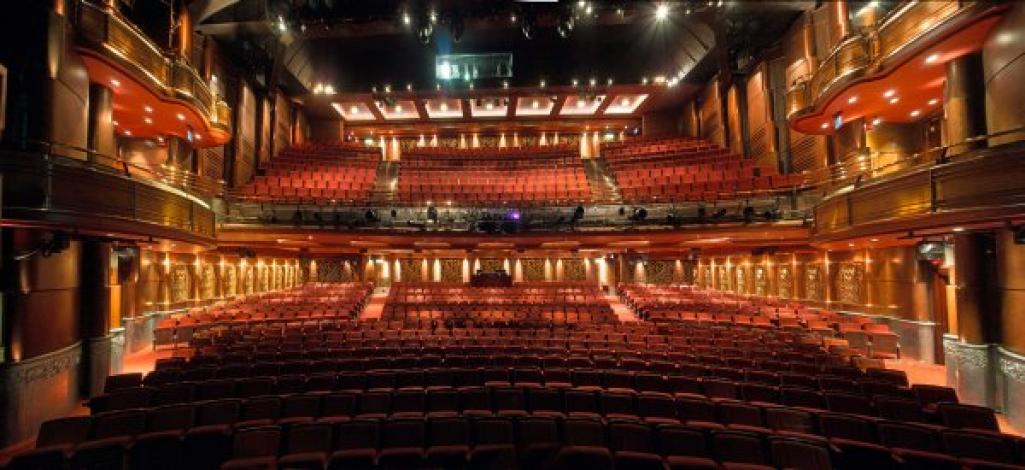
<point>469,440</point>
<point>316,171</point>
<point>520,178</point>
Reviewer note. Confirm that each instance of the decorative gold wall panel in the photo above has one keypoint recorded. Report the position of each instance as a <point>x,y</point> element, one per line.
<point>249,279</point>
<point>705,282</point>
<point>335,270</point>
<point>180,284</point>
<point>412,269</point>
<point>724,279</point>
<point>761,281</point>
<point>850,283</point>
<point>814,286</point>
<point>229,277</point>
<point>573,269</point>
<point>533,269</point>
<point>785,281</point>
<point>264,278</point>
<point>740,280</point>
<point>279,277</point>
<point>451,270</point>
<point>491,264</point>
<point>208,285</point>
<point>660,271</point>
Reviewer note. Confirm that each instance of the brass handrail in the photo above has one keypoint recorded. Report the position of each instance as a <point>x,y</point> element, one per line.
<point>869,49</point>
<point>106,27</point>
<point>853,172</point>
<point>203,187</point>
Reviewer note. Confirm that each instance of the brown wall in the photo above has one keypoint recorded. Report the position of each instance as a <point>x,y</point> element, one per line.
<point>1004,67</point>
<point>710,112</point>
<point>761,129</point>
<point>1011,285</point>
<point>660,124</point>
<point>245,136</point>
<point>326,130</point>
<point>42,296</point>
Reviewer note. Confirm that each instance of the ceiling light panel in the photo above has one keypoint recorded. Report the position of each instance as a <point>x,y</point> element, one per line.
<point>354,111</point>
<point>444,108</point>
<point>534,105</point>
<point>399,109</point>
<point>489,107</point>
<point>625,104</point>
<point>581,105</point>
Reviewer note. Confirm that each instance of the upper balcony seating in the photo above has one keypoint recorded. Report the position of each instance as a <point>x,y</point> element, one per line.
<point>487,177</point>
<point>686,169</point>
<point>317,172</point>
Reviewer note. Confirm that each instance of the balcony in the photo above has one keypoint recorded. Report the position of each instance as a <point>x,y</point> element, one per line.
<point>877,51</point>
<point>55,186</point>
<point>103,34</point>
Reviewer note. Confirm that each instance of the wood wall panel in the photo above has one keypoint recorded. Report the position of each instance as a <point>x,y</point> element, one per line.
<point>710,113</point>
<point>761,130</point>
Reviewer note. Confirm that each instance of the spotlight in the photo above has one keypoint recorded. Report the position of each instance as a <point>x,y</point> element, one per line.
<point>370,215</point>
<point>578,213</point>
<point>639,214</point>
<point>424,33</point>
<point>527,26</point>
<point>457,28</point>
<point>662,11</point>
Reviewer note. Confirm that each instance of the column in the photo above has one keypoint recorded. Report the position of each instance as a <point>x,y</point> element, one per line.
<point>964,103</point>
<point>100,302</point>
<point>968,358</point>
<point>1011,351</point>
<point>100,128</point>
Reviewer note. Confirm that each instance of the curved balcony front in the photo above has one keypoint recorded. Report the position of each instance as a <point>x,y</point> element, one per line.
<point>155,92</point>
<point>905,51</point>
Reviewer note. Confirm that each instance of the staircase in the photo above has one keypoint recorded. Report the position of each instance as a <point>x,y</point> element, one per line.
<point>602,183</point>
<point>386,183</point>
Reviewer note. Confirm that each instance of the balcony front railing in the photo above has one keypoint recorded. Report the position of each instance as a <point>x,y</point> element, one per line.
<point>104,29</point>
<point>869,49</point>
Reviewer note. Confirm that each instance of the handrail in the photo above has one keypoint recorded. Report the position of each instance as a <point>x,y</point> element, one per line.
<point>852,172</point>
<point>870,48</point>
<point>106,27</point>
<point>203,187</point>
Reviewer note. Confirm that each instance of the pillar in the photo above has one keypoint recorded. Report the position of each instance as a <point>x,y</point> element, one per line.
<point>967,355</point>
<point>100,130</point>
<point>964,103</point>
<point>99,302</point>
<point>1011,351</point>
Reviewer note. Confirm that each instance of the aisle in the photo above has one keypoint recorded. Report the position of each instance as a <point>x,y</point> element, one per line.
<point>375,307</point>
<point>621,310</point>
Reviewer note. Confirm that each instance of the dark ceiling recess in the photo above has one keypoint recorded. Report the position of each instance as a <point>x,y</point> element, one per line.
<point>357,45</point>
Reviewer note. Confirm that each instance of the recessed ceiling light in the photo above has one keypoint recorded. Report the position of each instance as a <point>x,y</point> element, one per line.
<point>398,108</point>
<point>147,108</point>
<point>542,84</point>
<point>148,120</point>
<point>625,102</point>
<point>934,101</point>
<point>959,229</point>
<point>662,11</point>
<point>406,20</point>
<point>535,104</point>
<point>915,113</point>
<point>114,123</point>
<point>825,125</point>
<point>489,105</point>
<point>874,240</point>
<point>932,58</point>
<point>115,82</point>
<point>889,93</point>
<point>181,117</point>
<point>894,100</point>
<point>128,133</point>
<point>877,121</point>
<point>576,82</point>
<point>580,103</point>
<point>850,245</point>
<point>354,109</point>
<point>852,100</point>
<point>444,106</point>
